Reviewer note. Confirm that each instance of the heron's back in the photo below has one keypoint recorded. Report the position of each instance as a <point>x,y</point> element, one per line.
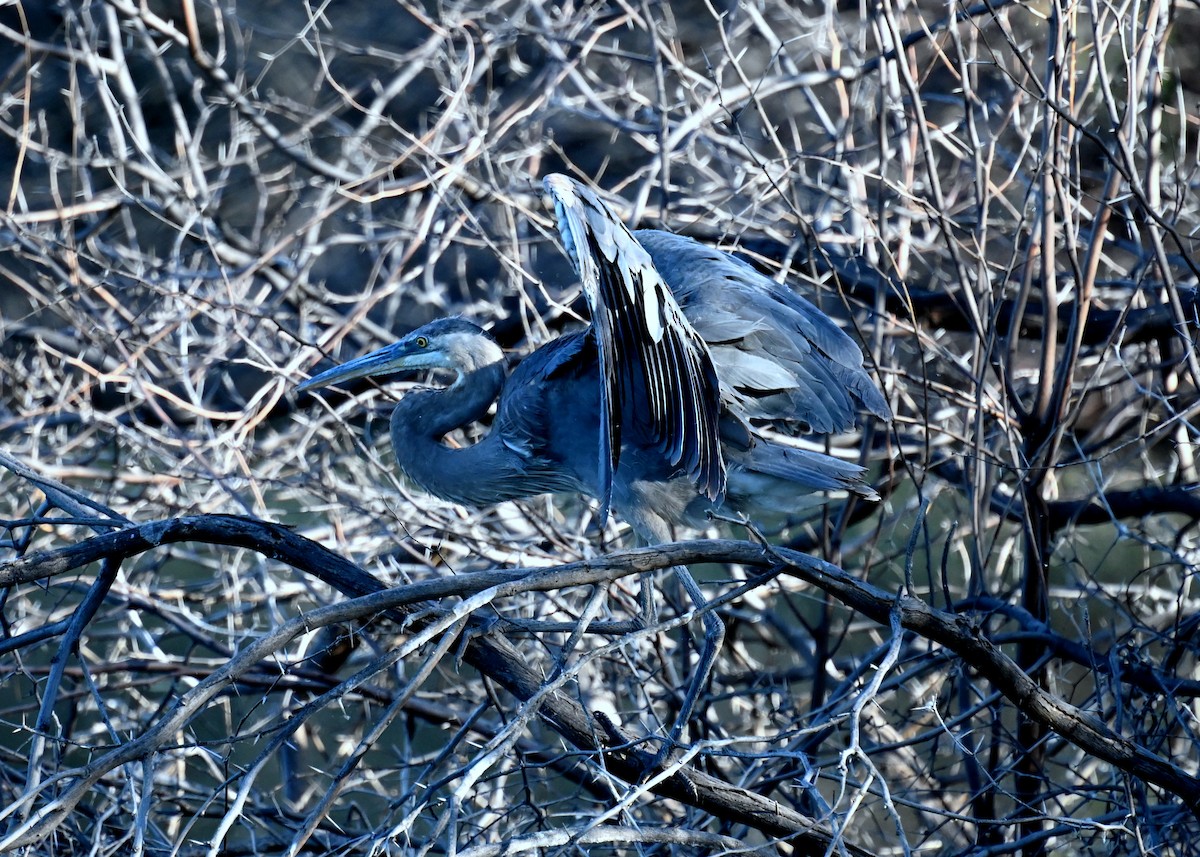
<point>779,358</point>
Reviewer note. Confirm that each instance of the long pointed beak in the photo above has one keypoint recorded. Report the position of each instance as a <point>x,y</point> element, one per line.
<point>385,361</point>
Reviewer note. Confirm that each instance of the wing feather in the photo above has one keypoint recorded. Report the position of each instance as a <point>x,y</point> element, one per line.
<point>657,373</point>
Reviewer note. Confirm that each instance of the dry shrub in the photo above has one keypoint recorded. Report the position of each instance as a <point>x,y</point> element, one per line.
<point>203,202</point>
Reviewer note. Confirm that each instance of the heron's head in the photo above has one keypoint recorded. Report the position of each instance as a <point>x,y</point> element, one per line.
<point>448,343</point>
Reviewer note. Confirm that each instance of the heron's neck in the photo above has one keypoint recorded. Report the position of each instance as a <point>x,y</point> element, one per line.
<point>422,419</point>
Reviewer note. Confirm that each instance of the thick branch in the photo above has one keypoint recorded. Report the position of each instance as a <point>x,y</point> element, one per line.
<point>1104,508</point>
<point>939,308</point>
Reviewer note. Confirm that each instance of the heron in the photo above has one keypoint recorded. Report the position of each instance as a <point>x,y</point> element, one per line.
<point>666,408</point>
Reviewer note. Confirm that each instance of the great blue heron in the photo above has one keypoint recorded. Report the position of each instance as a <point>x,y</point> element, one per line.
<point>657,407</point>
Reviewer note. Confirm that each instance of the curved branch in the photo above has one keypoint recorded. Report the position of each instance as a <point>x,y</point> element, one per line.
<point>490,652</point>
<point>493,655</point>
<point>965,639</point>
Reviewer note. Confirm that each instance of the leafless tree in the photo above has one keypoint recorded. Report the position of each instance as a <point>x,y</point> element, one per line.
<point>228,626</point>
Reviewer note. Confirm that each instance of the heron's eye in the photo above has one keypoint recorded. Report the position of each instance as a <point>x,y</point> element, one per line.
<point>422,342</point>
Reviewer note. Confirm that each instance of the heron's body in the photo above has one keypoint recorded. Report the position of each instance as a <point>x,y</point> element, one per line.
<point>545,439</point>
<point>778,359</point>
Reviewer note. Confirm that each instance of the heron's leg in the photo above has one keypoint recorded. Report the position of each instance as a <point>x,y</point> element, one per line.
<point>714,635</point>
<point>653,528</point>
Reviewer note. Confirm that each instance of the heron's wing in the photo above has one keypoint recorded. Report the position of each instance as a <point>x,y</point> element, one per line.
<point>544,414</point>
<point>657,374</point>
<point>780,359</point>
